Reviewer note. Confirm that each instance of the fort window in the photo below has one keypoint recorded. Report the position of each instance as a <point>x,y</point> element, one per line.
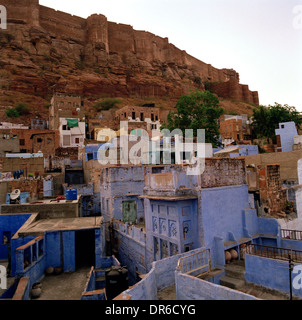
<point>133,115</point>
<point>22,142</point>
<point>77,140</point>
<point>152,117</point>
<point>142,116</point>
<point>39,140</point>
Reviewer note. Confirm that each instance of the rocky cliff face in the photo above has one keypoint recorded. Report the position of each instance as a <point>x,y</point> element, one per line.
<point>44,51</point>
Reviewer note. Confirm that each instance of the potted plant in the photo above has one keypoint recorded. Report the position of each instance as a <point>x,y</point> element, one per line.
<point>289,207</point>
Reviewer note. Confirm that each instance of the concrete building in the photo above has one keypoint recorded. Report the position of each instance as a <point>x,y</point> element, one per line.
<point>208,218</point>
<point>64,106</point>
<point>72,132</point>
<point>285,136</point>
<point>59,244</point>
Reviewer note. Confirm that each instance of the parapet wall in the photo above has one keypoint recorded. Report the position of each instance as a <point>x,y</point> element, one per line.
<point>61,24</point>
<point>232,89</point>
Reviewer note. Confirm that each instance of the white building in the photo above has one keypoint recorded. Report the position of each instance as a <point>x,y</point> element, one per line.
<point>72,132</point>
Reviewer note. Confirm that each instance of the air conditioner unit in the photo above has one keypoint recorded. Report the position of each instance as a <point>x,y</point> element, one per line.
<point>15,197</point>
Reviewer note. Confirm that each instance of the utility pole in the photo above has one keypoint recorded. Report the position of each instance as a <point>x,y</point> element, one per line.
<point>290,276</point>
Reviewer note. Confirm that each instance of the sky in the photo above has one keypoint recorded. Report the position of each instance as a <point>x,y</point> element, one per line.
<point>260,39</point>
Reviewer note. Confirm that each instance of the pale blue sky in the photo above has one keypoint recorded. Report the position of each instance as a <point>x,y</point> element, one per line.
<point>257,38</point>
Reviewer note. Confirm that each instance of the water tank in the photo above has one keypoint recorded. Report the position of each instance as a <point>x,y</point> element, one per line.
<point>48,188</point>
<point>71,194</point>
<point>116,281</point>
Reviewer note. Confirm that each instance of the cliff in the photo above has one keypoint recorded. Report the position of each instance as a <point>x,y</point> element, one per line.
<point>44,51</point>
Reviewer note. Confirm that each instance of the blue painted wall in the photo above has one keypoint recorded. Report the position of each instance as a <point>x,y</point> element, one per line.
<point>287,131</point>
<point>10,224</point>
<point>53,249</point>
<point>270,273</point>
<point>35,270</point>
<point>174,223</point>
<point>246,150</point>
<point>68,238</point>
<point>222,214</point>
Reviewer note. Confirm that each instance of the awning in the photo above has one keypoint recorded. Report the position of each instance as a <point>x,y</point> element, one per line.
<point>72,123</point>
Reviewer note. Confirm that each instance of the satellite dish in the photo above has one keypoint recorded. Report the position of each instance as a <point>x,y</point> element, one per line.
<point>15,194</point>
<point>78,109</point>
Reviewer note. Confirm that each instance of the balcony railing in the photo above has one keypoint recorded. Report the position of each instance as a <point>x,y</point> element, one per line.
<point>291,234</point>
<point>274,252</point>
<point>199,261</point>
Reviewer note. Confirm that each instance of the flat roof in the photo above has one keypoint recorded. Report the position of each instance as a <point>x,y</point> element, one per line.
<point>38,226</point>
<point>169,198</point>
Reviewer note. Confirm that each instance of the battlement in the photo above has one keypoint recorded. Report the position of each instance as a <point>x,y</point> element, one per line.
<point>22,11</point>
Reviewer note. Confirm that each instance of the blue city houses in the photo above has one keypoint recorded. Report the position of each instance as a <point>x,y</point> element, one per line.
<point>151,217</point>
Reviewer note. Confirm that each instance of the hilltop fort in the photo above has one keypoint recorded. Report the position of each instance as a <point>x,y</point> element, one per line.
<point>46,51</point>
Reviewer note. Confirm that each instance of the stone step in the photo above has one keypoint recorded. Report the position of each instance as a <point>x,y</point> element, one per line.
<point>235,271</point>
<point>232,283</point>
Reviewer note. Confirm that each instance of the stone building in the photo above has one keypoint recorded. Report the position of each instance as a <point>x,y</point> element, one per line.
<point>231,129</point>
<point>147,113</point>
<point>46,142</point>
<point>8,143</point>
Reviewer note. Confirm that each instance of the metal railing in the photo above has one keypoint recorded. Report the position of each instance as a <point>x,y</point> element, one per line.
<point>274,252</point>
<point>291,234</point>
<point>198,261</point>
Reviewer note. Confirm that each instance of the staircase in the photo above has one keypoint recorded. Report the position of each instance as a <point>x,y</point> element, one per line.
<point>234,275</point>
<point>234,279</point>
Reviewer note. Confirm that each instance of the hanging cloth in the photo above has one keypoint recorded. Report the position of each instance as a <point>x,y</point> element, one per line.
<point>72,123</point>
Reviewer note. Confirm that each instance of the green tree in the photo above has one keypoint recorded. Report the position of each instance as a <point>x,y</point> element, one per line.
<point>22,108</point>
<point>267,118</point>
<point>197,110</point>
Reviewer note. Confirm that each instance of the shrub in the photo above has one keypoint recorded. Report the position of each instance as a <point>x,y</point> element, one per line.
<point>22,108</point>
<point>12,113</point>
<point>106,104</point>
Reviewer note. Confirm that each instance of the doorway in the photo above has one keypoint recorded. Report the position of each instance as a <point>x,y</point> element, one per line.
<point>85,248</point>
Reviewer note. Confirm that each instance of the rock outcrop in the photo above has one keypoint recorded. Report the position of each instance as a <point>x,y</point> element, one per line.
<point>45,51</point>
